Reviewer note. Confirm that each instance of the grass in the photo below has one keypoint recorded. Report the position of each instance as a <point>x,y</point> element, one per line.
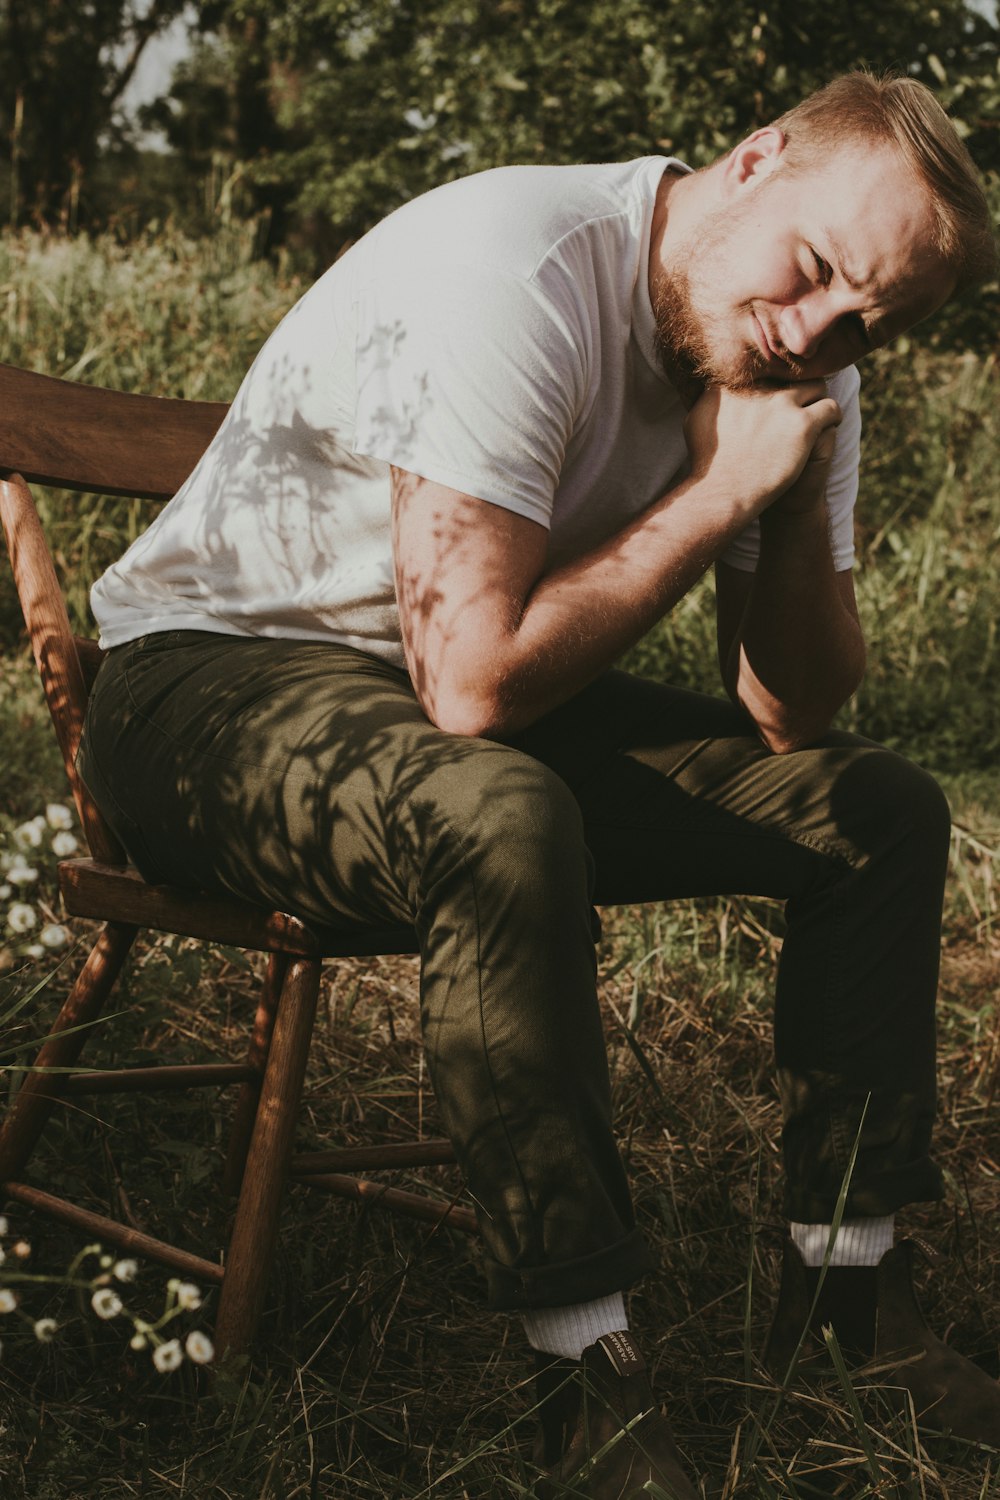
<point>379,1372</point>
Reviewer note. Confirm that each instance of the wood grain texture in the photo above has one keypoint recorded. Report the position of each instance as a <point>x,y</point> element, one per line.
<point>92,889</point>
<point>81,437</point>
<point>54,647</point>
<point>41,1090</point>
<point>255,1226</point>
<point>109,1231</point>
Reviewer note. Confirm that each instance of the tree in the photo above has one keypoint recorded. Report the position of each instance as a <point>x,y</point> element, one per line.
<point>66,66</point>
<point>377,100</point>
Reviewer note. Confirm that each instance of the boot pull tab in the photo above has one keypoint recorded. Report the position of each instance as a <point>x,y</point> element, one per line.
<point>623,1353</point>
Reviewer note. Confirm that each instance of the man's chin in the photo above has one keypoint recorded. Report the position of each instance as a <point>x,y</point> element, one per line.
<point>759,372</point>
<point>740,372</point>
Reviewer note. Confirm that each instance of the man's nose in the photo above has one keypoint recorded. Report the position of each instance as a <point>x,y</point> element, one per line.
<point>803,325</point>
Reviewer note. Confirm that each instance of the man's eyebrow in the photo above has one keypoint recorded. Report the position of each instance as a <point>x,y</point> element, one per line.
<point>843,263</point>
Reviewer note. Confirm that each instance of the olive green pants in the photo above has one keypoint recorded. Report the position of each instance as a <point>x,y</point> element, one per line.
<point>306,776</point>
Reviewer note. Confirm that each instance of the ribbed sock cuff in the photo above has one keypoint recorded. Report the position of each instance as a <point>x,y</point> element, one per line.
<point>859,1242</point>
<point>567,1331</point>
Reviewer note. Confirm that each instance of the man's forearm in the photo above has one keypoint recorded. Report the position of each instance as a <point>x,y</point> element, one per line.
<point>494,638</point>
<point>575,621</point>
<point>799,651</point>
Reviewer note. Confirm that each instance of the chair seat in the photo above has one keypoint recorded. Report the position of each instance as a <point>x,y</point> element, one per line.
<point>118,893</point>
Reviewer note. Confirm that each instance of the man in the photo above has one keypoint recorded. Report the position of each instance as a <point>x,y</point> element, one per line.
<point>361,668</point>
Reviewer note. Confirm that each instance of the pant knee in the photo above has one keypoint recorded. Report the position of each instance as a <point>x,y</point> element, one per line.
<point>512,828</point>
<point>886,803</point>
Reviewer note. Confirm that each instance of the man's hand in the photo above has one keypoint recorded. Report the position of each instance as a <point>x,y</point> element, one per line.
<point>790,642</point>
<point>808,491</point>
<point>761,444</point>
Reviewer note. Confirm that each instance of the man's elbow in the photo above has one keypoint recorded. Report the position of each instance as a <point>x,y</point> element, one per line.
<point>784,731</point>
<point>786,740</point>
<point>463,719</point>
<point>471,713</point>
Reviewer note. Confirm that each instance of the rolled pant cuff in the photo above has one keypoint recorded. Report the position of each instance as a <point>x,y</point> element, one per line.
<point>561,1283</point>
<point>917,1182</point>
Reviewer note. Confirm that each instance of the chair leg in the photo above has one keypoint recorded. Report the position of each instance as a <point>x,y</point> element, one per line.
<point>255,1229</point>
<point>40,1091</point>
<point>248,1098</point>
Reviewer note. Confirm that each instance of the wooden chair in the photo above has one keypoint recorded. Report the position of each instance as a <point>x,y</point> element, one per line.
<point>75,437</point>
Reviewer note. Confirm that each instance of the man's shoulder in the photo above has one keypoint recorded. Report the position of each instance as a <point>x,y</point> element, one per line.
<point>845,385</point>
<point>512,216</point>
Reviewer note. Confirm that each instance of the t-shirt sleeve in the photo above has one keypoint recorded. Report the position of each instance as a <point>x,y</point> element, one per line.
<point>470,376</point>
<point>841,489</point>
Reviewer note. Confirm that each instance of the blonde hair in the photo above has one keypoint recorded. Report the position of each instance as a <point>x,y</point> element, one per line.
<point>873,109</point>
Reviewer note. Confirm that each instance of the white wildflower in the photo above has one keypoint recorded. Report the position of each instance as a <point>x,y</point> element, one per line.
<point>21,917</point>
<point>187,1294</point>
<point>8,1301</point>
<point>6,892</point>
<point>168,1356</point>
<point>106,1262</point>
<point>58,816</point>
<point>125,1270</point>
<point>22,874</point>
<point>35,950</point>
<point>137,1341</point>
<point>28,836</point>
<point>106,1303</point>
<point>417,120</point>
<point>199,1347</point>
<point>54,935</point>
<point>45,1330</point>
<point>63,845</point>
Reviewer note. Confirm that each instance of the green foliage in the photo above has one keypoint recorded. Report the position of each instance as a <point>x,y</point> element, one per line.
<point>65,68</point>
<point>164,315</point>
<point>929,526</point>
<point>378,100</point>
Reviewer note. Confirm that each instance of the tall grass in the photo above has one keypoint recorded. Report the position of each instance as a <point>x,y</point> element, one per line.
<point>379,1373</point>
<point>927,534</point>
<point>164,315</point>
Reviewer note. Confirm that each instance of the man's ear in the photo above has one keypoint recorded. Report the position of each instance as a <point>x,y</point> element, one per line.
<point>754,159</point>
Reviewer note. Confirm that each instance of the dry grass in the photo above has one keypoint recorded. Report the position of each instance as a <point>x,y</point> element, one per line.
<point>380,1373</point>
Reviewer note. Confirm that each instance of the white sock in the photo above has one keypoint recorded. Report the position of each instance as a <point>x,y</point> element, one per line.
<point>567,1331</point>
<point>859,1242</point>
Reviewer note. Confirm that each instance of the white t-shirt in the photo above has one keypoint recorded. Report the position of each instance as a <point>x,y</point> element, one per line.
<point>495,335</point>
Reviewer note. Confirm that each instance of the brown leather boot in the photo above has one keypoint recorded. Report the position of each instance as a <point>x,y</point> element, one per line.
<point>875,1314</point>
<point>603,1435</point>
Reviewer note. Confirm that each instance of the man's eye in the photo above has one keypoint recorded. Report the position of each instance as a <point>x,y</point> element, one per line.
<point>822,266</point>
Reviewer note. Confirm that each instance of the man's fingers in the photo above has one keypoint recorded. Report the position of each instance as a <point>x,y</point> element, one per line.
<point>826,413</point>
<point>808,392</point>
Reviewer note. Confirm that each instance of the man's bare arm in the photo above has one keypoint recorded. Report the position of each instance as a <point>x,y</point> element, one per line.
<point>791,646</point>
<point>493,640</point>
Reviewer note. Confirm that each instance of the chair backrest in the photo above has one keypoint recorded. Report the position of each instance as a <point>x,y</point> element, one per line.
<point>79,437</point>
